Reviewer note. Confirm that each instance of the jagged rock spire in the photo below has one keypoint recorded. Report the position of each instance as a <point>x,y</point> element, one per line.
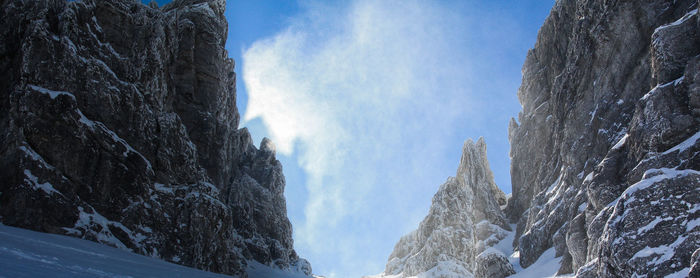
<point>464,213</point>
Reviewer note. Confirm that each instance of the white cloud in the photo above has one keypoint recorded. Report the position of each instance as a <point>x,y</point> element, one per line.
<point>369,91</point>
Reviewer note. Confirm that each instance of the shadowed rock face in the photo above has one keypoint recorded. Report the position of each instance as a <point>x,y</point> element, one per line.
<point>465,219</point>
<point>605,153</point>
<point>119,125</point>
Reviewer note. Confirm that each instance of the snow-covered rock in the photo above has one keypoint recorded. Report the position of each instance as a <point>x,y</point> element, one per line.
<point>464,220</point>
<point>605,152</point>
<point>492,263</point>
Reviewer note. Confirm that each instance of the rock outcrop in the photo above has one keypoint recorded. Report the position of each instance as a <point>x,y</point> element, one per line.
<point>119,125</point>
<point>605,153</point>
<point>464,221</point>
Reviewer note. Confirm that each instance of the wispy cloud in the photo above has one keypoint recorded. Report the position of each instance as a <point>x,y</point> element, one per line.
<point>368,91</point>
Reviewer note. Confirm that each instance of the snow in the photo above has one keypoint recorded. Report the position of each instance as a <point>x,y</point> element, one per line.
<point>258,270</point>
<point>34,182</point>
<point>446,269</point>
<point>658,175</point>
<point>621,142</point>
<point>674,82</point>
<point>652,224</point>
<point>70,44</point>
<point>97,26</point>
<point>542,105</point>
<point>692,224</point>
<point>25,253</point>
<point>582,206</point>
<point>546,266</point>
<point>206,8</point>
<point>555,183</point>
<point>162,188</point>
<point>490,251</point>
<point>108,70</point>
<point>127,148</point>
<point>506,244</point>
<point>685,144</point>
<point>650,177</point>
<point>211,187</point>
<point>105,235</point>
<point>85,120</point>
<point>588,266</point>
<point>683,273</point>
<point>31,153</point>
<point>198,195</point>
<point>592,113</point>
<point>679,21</point>
<point>35,156</point>
<point>51,93</point>
<point>663,252</point>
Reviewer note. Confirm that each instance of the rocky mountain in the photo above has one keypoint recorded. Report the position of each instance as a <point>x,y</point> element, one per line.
<point>119,125</point>
<point>605,152</point>
<point>464,222</point>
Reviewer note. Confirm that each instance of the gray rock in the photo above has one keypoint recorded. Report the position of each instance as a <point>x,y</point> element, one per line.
<point>610,96</point>
<point>588,270</point>
<point>474,171</point>
<point>671,48</point>
<point>447,231</point>
<point>577,242</point>
<point>464,220</point>
<point>493,264</point>
<point>648,230</point>
<point>119,125</point>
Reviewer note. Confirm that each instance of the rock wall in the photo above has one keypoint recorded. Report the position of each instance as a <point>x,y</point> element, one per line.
<point>605,153</point>
<point>464,221</point>
<point>119,125</point>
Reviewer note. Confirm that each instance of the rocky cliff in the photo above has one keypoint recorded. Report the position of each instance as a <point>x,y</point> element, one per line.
<point>465,220</point>
<point>119,125</point>
<point>605,153</point>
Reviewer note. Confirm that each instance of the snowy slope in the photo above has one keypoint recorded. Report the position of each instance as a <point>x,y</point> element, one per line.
<point>25,253</point>
<point>546,265</point>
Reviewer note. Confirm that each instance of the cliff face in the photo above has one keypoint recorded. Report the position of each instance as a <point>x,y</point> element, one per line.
<point>605,153</point>
<point>465,220</point>
<point>119,125</point>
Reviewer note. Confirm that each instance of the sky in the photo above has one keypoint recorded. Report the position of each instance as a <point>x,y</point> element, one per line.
<point>369,104</point>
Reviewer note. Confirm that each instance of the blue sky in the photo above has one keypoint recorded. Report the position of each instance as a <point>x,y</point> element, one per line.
<point>369,103</point>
